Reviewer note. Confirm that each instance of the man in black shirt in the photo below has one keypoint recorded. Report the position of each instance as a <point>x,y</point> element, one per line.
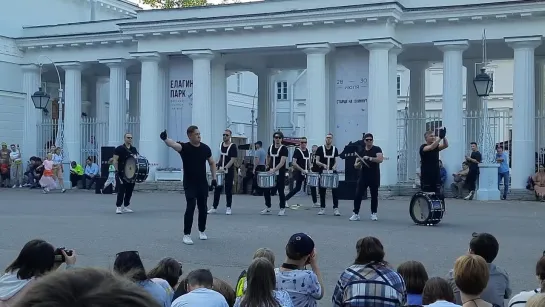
<point>326,159</point>
<point>473,160</point>
<point>369,176</point>
<point>276,164</point>
<point>121,154</point>
<point>225,164</point>
<point>430,173</point>
<point>301,166</point>
<point>194,156</point>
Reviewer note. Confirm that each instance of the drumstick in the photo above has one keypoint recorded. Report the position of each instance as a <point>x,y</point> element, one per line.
<point>361,159</point>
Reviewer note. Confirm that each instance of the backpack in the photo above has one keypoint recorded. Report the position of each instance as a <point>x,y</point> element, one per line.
<point>239,290</point>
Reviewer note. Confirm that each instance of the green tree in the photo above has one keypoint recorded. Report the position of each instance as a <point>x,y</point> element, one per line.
<point>169,4</point>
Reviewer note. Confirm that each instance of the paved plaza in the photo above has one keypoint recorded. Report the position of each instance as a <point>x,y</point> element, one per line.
<point>86,222</point>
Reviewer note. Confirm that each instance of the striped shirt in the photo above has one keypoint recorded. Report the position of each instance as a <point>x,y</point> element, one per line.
<point>520,299</point>
<point>370,285</point>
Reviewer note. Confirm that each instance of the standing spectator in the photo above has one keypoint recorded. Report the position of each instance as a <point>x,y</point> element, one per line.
<point>4,166</point>
<point>16,166</point>
<point>58,170</point>
<point>438,293</point>
<point>473,160</point>
<point>415,276</point>
<point>260,155</point>
<point>91,173</point>
<point>503,170</point>
<point>520,299</point>
<point>76,173</point>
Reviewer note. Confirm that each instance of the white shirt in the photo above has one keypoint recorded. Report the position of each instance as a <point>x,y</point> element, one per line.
<point>442,303</point>
<point>201,298</point>
<point>520,299</point>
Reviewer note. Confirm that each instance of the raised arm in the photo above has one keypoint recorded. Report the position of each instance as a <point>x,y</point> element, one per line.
<point>169,142</point>
<point>443,145</point>
<point>433,145</point>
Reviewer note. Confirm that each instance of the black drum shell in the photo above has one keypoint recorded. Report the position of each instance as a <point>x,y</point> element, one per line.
<point>435,215</point>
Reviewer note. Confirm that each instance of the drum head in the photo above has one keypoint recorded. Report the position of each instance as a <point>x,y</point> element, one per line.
<point>130,168</point>
<point>420,209</point>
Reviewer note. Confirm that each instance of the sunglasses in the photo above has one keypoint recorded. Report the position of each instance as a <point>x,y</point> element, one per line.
<point>303,142</point>
<point>127,253</point>
<point>226,135</point>
<point>276,137</point>
<point>368,140</point>
<point>129,137</point>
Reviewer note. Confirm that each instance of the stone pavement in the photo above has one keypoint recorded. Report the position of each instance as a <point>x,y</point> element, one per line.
<point>87,223</point>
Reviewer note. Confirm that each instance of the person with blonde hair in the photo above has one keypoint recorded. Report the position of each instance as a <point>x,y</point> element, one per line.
<point>47,182</point>
<point>521,299</point>
<point>57,168</point>
<point>471,277</point>
<point>260,252</point>
<point>537,300</point>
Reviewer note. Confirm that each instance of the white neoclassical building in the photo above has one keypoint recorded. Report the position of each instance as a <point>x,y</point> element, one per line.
<point>350,53</point>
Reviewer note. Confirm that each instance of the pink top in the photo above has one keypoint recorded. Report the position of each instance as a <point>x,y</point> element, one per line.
<point>48,165</point>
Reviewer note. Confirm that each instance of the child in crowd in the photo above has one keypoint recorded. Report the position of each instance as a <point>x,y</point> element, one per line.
<point>242,284</point>
<point>48,181</point>
<point>111,176</point>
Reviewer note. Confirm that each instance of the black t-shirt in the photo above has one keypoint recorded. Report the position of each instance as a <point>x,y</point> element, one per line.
<point>329,156</point>
<point>123,153</point>
<point>194,159</point>
<point>477,156</point>
<point>232,154</point>
<point>302,158</point>
<point>429,169</point>
<point>275,156</point>
<point>374,168</point>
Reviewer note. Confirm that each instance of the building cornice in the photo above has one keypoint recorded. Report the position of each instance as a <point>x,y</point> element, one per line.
<point>75,41</point>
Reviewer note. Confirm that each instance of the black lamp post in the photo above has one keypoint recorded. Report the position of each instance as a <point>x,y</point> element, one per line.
<point>483,84</point>
<point>40,99</point>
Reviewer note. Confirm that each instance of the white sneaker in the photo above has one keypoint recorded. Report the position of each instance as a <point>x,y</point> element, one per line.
<point>202,236</point>
<point>266,211</point>
<point>127,210</point>
<point>321,212</point>
<point>316,205</point>
<point>14,186</point>
<point>118,210</point>
<point>187,240</point>
<point>212,211</point>
<point>354,217</point>
<point>374,217</point>
<point>228,211</point>
<point>469,196</point>
<point>336,212</point>
<point>20,185</point>
<point>282,212</point>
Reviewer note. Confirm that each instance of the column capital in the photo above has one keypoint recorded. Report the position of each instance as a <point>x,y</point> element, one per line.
<point>416,65</point>
<point>103,79</point>
<point>318,48</point>
<point>523,42</point>
<point>30,68</point>
<point>385,43</point>
<point>199,54</point>
<point>70,65</point>
<point>146,56</point>
<point>452,45</point>
<point>396,51</point>
<point>114,62</point>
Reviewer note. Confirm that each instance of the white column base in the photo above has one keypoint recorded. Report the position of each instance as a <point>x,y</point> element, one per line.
<point>66,175</point>
<point>488,182</point>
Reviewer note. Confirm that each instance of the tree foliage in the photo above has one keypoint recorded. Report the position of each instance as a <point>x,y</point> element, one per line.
<point>169,4</point>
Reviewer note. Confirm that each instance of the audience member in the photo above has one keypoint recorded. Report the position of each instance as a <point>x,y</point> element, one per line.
<point>261,252</point>
<point>537,300</point>
<point>86,287</point>
<point>370,281</point>
<point>415,276</point>
<point>76,173</point>
<point>471,277</point>
<point>438,293</point>
<point>225,289</point>
<point>199,285</point>
<point>261,287</point>
<point>167,273</point>
<point>520,299</point>
<point>91,173</point>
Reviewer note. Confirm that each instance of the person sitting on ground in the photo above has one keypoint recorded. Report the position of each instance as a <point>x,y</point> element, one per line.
<point>36,259</point>
<point>498,287</point>
<point>261,252</point>
<point>304,286</point>
<point>199,285</point>
<point>129,265</point>
<point>261,287</point>
<point>520,299</point>
<point>471,277</point>
<point>370,275</point>
<point>86,287</point>
<point>459,181</point>
<point>438,293</point>
<point>167,273</point>
<point>539,183</point>
<point>537,300</point>
<point>218,285</point>
<point>415,276</point>
<point>76,173</point>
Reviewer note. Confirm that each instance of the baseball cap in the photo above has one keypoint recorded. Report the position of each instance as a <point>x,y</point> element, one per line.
<point>300,245</point>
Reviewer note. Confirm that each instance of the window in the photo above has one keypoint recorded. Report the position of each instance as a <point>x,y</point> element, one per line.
<point>239,82</point>
<point>282,90</point>
<point>398,85</point>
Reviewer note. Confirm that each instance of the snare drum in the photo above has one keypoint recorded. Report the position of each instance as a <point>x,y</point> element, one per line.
<point>266,180</point>
<point>136,169</point>
<point>313,179</point>
<point>329,180</point>
<point>426,209</point>
<point>220,178</point>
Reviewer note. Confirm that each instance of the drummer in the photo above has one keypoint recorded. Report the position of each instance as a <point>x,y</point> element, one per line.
<point>276,165</point>
<point>430,178</point>
<point>326,159</point>
<point>225,164</point>
<point>121,154</point>
<point>301,165</point>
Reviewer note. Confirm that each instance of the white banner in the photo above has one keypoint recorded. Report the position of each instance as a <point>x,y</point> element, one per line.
<point>351,93</point>
<point>180,103</point>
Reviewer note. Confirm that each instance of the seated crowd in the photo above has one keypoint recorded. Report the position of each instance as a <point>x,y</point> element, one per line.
<point>33,280</point>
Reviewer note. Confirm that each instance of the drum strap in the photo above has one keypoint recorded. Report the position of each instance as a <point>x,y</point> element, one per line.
<point>306,158</point>
<point>223,155</point>
<point>274,156</point>
<point>329,156</point>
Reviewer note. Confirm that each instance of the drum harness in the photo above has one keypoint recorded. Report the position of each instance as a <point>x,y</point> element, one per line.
<point>306,158</point>
<point>332,156</point>
<point>274,156</point>
<point>224,155</point>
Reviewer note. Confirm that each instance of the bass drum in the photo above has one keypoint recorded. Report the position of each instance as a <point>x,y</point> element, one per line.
<point>136,169</point>
<point>426,209</point>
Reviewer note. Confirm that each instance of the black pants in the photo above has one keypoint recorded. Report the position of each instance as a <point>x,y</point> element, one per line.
<point>245,180</point>
<point>322,192</point>
<point>471,180</point>
<point>88,182</point>
<point>228,183</point>
<point>280,185</point>
<point>195,196</point>
<point>365,182</point>
<point>434,187</point>
<point>299,179</point>
<point>74,178</point>
<point>255,187</point>
<point>125,192</point>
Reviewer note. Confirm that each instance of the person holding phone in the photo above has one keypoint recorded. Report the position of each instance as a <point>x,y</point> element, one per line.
<point>430,177</point>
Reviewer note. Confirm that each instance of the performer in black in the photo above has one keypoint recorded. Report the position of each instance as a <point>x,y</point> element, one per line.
<point>473,161</point>
<point>326,158</point>
<point>194,156</point>
<point>430,178</point>
<point>226,164</point>
<point>301,166</point>
<point>368,164</point>
<point>121,154</point>
<point>276,164</point>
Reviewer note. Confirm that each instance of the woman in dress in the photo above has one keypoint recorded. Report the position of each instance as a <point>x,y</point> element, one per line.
<point>48,181</point>
<point>539,183</point>
<point>57,168</point>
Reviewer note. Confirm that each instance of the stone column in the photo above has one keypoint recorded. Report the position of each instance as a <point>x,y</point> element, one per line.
<point>72,112</point>
<point>150,125</point>
<point>91,84</point>
<point>265,110</point>
<point>202,92</point>
<point>134,95</point>
<point>317,109</point>
<point>473,106</point>
<point>389,167</point>
<point>453,108</point>
<point>540,105</point>
<point>164,108</point>
<point>219,104</point>
<point>117,114</point>
<point>523,142</point>
<point>416,125</point>
<point>101,111</point>
<point>32,116</point>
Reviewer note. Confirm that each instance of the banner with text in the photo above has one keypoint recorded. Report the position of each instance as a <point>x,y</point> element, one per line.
<point>351,93</point>
<point>180,103</point>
